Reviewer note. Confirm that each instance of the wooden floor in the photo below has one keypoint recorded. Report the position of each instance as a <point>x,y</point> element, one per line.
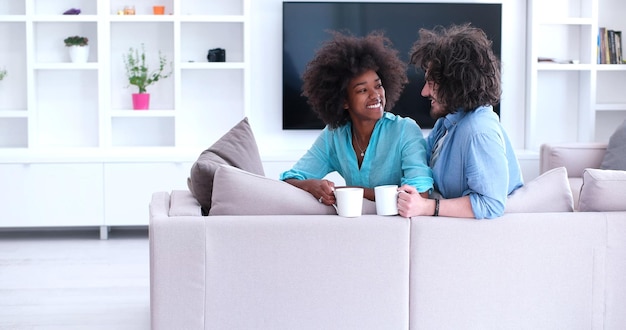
<point>73,280</point>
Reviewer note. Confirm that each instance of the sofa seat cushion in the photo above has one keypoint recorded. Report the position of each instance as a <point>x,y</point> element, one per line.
<point>238,192</point>
<point>603,190</point>
<point>237,148</point>
<point>549,192</point>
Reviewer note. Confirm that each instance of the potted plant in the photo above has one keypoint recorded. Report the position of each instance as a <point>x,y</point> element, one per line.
<point>141,76</point>
<point>78,48</point>
<point>3,73</point>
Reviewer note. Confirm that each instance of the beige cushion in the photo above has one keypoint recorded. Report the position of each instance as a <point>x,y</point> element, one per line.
<point>549,192</point>
<point>237,192</point>
<point>237,148</point>
<point>603,190</point>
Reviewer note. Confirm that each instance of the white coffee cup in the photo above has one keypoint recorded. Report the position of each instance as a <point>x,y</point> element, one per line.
<point>349,202</point>
<point>386,199</point>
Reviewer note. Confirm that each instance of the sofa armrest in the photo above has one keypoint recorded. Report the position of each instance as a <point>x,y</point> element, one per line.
<point>177,251</point>
<point>575,157</point>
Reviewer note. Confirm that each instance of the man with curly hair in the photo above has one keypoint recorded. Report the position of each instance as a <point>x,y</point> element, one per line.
<point>473,162</point>
<point>364,143</point>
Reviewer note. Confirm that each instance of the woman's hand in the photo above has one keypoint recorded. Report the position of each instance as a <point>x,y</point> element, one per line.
<point>323,190</point>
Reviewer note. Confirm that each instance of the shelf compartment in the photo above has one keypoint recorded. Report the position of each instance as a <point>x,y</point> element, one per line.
<point>67,108</point>
<point>207,113</point>
<point>556,118</point>
<point>142,132</point>
<point>155,37</point>
<point>216,7</point>
<point>47,7</point>
<point>198,38</point>
<point>558,10</point>
<point>12,7</point>
<point>566,42</point>
<point>49,45</point>
<point>13,132</point>
<point>610,87</point>
<point>142,8</point>
<point>13,90</point>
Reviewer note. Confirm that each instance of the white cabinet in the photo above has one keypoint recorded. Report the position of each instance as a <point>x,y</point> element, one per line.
<point>82,112</point>
<point>574,98</point>
<point>50,195</point>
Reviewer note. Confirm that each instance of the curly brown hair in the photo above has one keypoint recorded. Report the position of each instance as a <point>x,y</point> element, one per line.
<point>342,58</point>
<point>460,61</point>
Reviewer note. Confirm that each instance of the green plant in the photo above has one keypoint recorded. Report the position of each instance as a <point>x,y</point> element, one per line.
<point>3,73</point>
<point>138,72</point>
<point>76,41</point>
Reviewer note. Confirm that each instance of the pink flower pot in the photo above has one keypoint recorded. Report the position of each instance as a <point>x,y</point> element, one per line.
<point>141,101</point>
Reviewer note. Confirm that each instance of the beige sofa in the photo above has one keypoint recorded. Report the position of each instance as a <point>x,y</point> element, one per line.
<point>548,270</point>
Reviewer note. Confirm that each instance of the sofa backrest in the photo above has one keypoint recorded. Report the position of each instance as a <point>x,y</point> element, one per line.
<point>520,271</point>
<point>278,272</point>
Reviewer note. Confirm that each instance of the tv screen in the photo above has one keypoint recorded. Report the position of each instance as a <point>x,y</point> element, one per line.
<point>306,25</point>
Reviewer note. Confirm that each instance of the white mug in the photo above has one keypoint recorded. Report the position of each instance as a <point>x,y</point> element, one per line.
<point>386,199</point>
<point>349,202</point>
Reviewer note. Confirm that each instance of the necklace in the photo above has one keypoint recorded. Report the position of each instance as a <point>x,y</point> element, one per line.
<point>358,145</point>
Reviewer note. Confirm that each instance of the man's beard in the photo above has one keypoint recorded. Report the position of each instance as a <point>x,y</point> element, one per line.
<point>437,110</point>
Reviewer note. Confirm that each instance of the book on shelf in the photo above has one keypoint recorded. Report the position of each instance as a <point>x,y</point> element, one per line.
<point>603,46</point>
<point>611,40</point>
<point>609,46</point>
<point>618,47</point>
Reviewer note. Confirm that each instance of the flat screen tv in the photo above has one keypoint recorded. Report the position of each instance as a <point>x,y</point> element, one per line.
<point>306,25</point>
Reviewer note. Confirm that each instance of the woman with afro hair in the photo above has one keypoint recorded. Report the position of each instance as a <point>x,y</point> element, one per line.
<point>352,83</point>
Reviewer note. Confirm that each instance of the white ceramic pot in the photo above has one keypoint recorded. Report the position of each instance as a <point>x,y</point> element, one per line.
<point>79,54</point>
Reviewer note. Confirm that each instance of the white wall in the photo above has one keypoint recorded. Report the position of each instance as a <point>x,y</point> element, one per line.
<point>266,72</point>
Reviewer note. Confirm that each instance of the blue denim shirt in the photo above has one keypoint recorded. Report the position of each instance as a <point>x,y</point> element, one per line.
<point>396,154</point>
<point>476,159</point>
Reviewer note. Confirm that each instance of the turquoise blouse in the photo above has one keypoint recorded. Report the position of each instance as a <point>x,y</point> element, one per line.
<point>396,154</point>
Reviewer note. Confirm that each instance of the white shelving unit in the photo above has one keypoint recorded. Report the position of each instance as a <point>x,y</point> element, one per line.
<point>569,102</point>
<point>79,116</point>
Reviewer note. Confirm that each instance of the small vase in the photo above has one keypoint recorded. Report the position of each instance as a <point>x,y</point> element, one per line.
<point>141,101</point>
<point>158,10</point>
<point>79,54</point>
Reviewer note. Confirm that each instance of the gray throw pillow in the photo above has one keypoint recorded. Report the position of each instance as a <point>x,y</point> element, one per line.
<point>615,156</point>
<point>237,192</point>
<point>237,148</point>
